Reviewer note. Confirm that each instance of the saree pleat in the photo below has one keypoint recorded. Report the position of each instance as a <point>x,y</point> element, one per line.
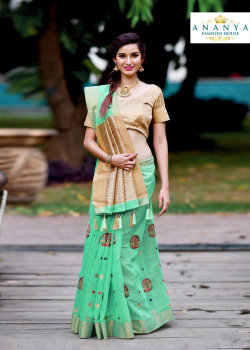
<point>121,290</point>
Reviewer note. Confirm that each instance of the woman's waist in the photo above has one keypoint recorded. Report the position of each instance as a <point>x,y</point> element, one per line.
<point>147,160</point>
<point>143,152</point>
<point>140,144</point>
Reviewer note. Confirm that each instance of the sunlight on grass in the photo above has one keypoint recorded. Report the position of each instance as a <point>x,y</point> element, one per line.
<point>199,182</point>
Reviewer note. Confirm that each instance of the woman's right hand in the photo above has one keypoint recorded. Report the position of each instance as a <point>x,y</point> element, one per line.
<point>124,161</point>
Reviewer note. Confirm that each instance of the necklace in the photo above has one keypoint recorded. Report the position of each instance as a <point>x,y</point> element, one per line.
<point>125,91</point>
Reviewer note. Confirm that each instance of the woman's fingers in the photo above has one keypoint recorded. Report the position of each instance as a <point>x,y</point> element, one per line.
<point>129,160</point>
<point>129,156</point>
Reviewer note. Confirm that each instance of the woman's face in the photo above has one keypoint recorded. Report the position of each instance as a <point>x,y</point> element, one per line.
<point>128,59</point>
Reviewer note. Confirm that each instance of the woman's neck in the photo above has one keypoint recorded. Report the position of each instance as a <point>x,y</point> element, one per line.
<point>128,81</point>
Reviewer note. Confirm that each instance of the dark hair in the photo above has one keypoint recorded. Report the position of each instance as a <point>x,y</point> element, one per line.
<point>113,77</point>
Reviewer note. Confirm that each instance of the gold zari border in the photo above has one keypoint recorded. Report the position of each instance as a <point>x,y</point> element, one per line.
<point>113,328</point>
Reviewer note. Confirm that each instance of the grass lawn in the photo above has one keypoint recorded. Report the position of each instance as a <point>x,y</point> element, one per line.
<point>25,121</point>
<point>200,181</point>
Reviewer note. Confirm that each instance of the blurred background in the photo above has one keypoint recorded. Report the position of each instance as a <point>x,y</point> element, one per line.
<point>50,51</point>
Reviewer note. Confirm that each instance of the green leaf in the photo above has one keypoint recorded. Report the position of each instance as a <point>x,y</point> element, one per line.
<point>121,4</point>
<point>190,7</point>
<point>204,6</point>
<point>218,6</point>
<point>68,42</point>
<point>82,75</point>
<point>150,17</point>
<point>25,81</point>
<point>134,21</point>
<point>91,67</point>
<point>27,24</point>
<point>140,10</point>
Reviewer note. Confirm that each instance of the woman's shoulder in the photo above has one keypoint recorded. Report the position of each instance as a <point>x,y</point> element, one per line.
<point>153,87</point>
<point>154,91</point>
<point>156,88</point>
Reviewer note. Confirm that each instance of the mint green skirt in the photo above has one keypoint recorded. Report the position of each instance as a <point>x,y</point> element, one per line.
<point>121,289</point>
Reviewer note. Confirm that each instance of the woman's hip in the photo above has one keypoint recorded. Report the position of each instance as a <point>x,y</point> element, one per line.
<point>147,166</point>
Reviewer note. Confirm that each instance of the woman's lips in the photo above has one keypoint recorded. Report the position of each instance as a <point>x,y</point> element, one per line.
<point>129,68</point>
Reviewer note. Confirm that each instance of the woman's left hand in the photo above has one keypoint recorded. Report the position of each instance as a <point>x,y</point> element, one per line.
<point>163,200</point>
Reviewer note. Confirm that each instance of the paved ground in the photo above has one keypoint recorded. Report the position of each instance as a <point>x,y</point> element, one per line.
<point>209,290</point>
<point>223,228</point>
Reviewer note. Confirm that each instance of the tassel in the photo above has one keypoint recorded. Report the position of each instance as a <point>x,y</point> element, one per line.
<point>149,214</point>
<point>131,219</point>
<point>96,227</point>
<point>104,223</point>
<point>120,221</point>
<point>116,222</point>
<point>134,218</point>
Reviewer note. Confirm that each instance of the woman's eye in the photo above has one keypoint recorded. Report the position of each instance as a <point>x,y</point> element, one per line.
<point>124,56</point>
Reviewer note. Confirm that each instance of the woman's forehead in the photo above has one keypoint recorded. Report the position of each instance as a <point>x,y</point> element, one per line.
<point>128,48</point>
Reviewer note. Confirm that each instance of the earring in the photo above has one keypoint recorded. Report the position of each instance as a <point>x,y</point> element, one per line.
<point>141,69</point>
<point>116,68</point>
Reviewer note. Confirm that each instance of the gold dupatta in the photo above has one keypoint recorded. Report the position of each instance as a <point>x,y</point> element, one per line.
<point>114,189</point>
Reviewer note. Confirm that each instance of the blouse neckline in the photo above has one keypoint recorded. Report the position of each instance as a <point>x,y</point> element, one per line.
<point>134,98</point>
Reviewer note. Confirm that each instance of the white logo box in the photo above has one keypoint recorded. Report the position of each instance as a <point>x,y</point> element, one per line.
<point>220,27</point>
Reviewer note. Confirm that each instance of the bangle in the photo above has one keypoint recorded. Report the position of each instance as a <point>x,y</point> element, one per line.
<point>108,159</point>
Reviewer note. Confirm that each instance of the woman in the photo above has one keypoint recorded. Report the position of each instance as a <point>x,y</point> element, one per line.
<point>121,290</point>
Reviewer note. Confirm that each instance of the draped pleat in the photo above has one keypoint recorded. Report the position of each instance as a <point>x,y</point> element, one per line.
<point>121,289</point>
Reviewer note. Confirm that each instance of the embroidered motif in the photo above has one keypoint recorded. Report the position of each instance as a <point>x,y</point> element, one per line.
<point>126,292</point>
<point>80,283</point>
<point>106,239</point>
<point>88,231</point>
<point>147,285</point>
<point>135,242</point>
<point>151,230</point>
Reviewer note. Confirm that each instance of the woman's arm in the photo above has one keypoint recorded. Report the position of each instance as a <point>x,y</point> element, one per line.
<point>92,146</point>
<point>124,161</point>
<point>161,150</point>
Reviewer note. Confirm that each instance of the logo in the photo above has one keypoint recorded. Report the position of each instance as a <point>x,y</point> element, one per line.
<point>223,27</point>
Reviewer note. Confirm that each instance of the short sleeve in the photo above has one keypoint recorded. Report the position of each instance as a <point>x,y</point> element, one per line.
<point>160,113</point>
<point>88,122</point>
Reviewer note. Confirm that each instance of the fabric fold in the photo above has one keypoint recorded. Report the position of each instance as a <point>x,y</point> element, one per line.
<point>114,189</point>
<point>121,289</point>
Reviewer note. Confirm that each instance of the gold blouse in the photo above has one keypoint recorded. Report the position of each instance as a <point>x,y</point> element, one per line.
<point>139,111</point>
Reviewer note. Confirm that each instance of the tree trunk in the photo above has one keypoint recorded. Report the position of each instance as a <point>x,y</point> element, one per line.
<point>67,146</point>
